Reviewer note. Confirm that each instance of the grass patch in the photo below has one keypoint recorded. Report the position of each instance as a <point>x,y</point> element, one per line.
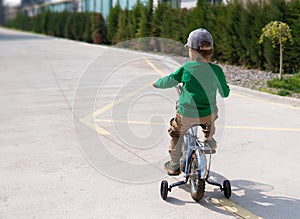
<point>287,86</point>
<point>266,90</point>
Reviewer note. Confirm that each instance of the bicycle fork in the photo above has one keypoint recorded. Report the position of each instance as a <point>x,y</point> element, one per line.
<point>202,164</point>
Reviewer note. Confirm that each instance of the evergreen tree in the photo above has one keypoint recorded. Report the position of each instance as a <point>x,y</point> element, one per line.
<point>181,25</point>
<point>166,26</point>
<point>99,29</point>
<point>149,16</point>
<point>68,27</point>
<point>61,23</point>
<point>52,22</point>
<point>292,51</point>
<point>136,15</point>
<point>113,20</point>
<point>156,24</point>
<point>87,35</point>
<point>142,27</point>
<point>37,26</point>
<point>222,39</point>
<point>196,17</point>
<point>45,21</point>
<point>122,33</point>
<point>256,18</point>
<point>76,27</point>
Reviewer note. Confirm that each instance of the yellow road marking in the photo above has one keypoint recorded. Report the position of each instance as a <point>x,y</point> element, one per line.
<point>90,124</point>
<point>130,122</point>
<point>266,101</point>
<point>120,100</point>
<point>158,71</point>
<point>226,126</point>
<point>233,208</point>
<point>88,120</point>
<point>91,117</point>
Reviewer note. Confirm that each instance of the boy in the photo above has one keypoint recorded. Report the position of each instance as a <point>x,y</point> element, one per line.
<point>197,102</point>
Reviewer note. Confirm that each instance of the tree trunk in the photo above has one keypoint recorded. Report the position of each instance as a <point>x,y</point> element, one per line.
<point>280,64</point>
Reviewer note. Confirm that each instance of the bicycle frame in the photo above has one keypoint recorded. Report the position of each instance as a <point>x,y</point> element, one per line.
<point>193,145</point>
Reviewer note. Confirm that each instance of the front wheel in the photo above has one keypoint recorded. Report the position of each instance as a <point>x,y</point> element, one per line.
<point>197,185</point>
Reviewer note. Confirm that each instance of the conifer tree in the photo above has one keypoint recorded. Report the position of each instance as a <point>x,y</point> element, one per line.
<point>60,22</point>
<point>45,21</point>
<point>256,19</point>
<point>292,51</point>
<point>136,14</point>
<point>142,30</point>
<point>99,29</point>
<point>122,33</point>
<point>157,20</point>
<point>68,27</point>
<point>112,21</point>
<point>87,35</point>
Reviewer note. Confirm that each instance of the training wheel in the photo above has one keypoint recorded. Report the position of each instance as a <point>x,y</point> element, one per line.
<point>227,188</point>
<point>164,189</point>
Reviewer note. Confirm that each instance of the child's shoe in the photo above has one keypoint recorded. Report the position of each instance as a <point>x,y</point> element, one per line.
<point>172,168</point>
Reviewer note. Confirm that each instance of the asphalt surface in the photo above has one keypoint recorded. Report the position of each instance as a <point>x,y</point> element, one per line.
<point>83,134</point>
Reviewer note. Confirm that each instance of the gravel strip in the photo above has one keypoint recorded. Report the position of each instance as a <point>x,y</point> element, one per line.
<point>248,78</point>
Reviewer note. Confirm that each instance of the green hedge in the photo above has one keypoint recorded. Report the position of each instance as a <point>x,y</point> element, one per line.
<point>235,28</point>
<point>89,27</point>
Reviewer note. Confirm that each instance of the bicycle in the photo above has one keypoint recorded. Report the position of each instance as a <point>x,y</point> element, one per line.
<point>195,166</point>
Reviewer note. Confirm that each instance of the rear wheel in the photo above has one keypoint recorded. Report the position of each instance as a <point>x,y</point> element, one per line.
<point>197,185</point>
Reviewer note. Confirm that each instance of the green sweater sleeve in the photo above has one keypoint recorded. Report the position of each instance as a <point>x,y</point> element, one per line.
<point>171,80</point>
<point>223,88</point>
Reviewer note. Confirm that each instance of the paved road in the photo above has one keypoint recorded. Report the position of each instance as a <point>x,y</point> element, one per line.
<point>83,135</point>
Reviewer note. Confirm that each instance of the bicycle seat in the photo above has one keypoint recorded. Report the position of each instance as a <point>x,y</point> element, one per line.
<point>202,126</point>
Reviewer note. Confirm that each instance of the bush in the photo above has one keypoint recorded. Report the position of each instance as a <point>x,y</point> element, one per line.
<point>284,93</point>
<point>291,84</point>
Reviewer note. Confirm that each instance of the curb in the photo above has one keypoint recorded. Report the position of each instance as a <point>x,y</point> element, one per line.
<point>266,96</point>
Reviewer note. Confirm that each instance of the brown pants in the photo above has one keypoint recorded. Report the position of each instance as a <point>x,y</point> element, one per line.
<point>178,127</point>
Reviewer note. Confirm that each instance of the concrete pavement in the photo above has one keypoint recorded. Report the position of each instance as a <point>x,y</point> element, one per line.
<point>84,135</point>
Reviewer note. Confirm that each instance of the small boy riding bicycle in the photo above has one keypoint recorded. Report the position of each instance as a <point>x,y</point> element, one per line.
<point>197,102</point>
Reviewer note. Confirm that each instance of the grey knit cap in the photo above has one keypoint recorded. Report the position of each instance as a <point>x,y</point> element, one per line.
<point>197,36</point>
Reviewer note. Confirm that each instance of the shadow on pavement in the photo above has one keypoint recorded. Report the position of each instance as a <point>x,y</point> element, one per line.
<point>253,196</point>
<point>20,36</point>
<point>257,198</point>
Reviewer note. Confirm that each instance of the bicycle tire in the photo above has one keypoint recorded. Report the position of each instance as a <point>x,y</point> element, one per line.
<point>197,185</point>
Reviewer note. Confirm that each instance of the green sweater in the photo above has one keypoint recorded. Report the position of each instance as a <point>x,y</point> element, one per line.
<point>200,84</point>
